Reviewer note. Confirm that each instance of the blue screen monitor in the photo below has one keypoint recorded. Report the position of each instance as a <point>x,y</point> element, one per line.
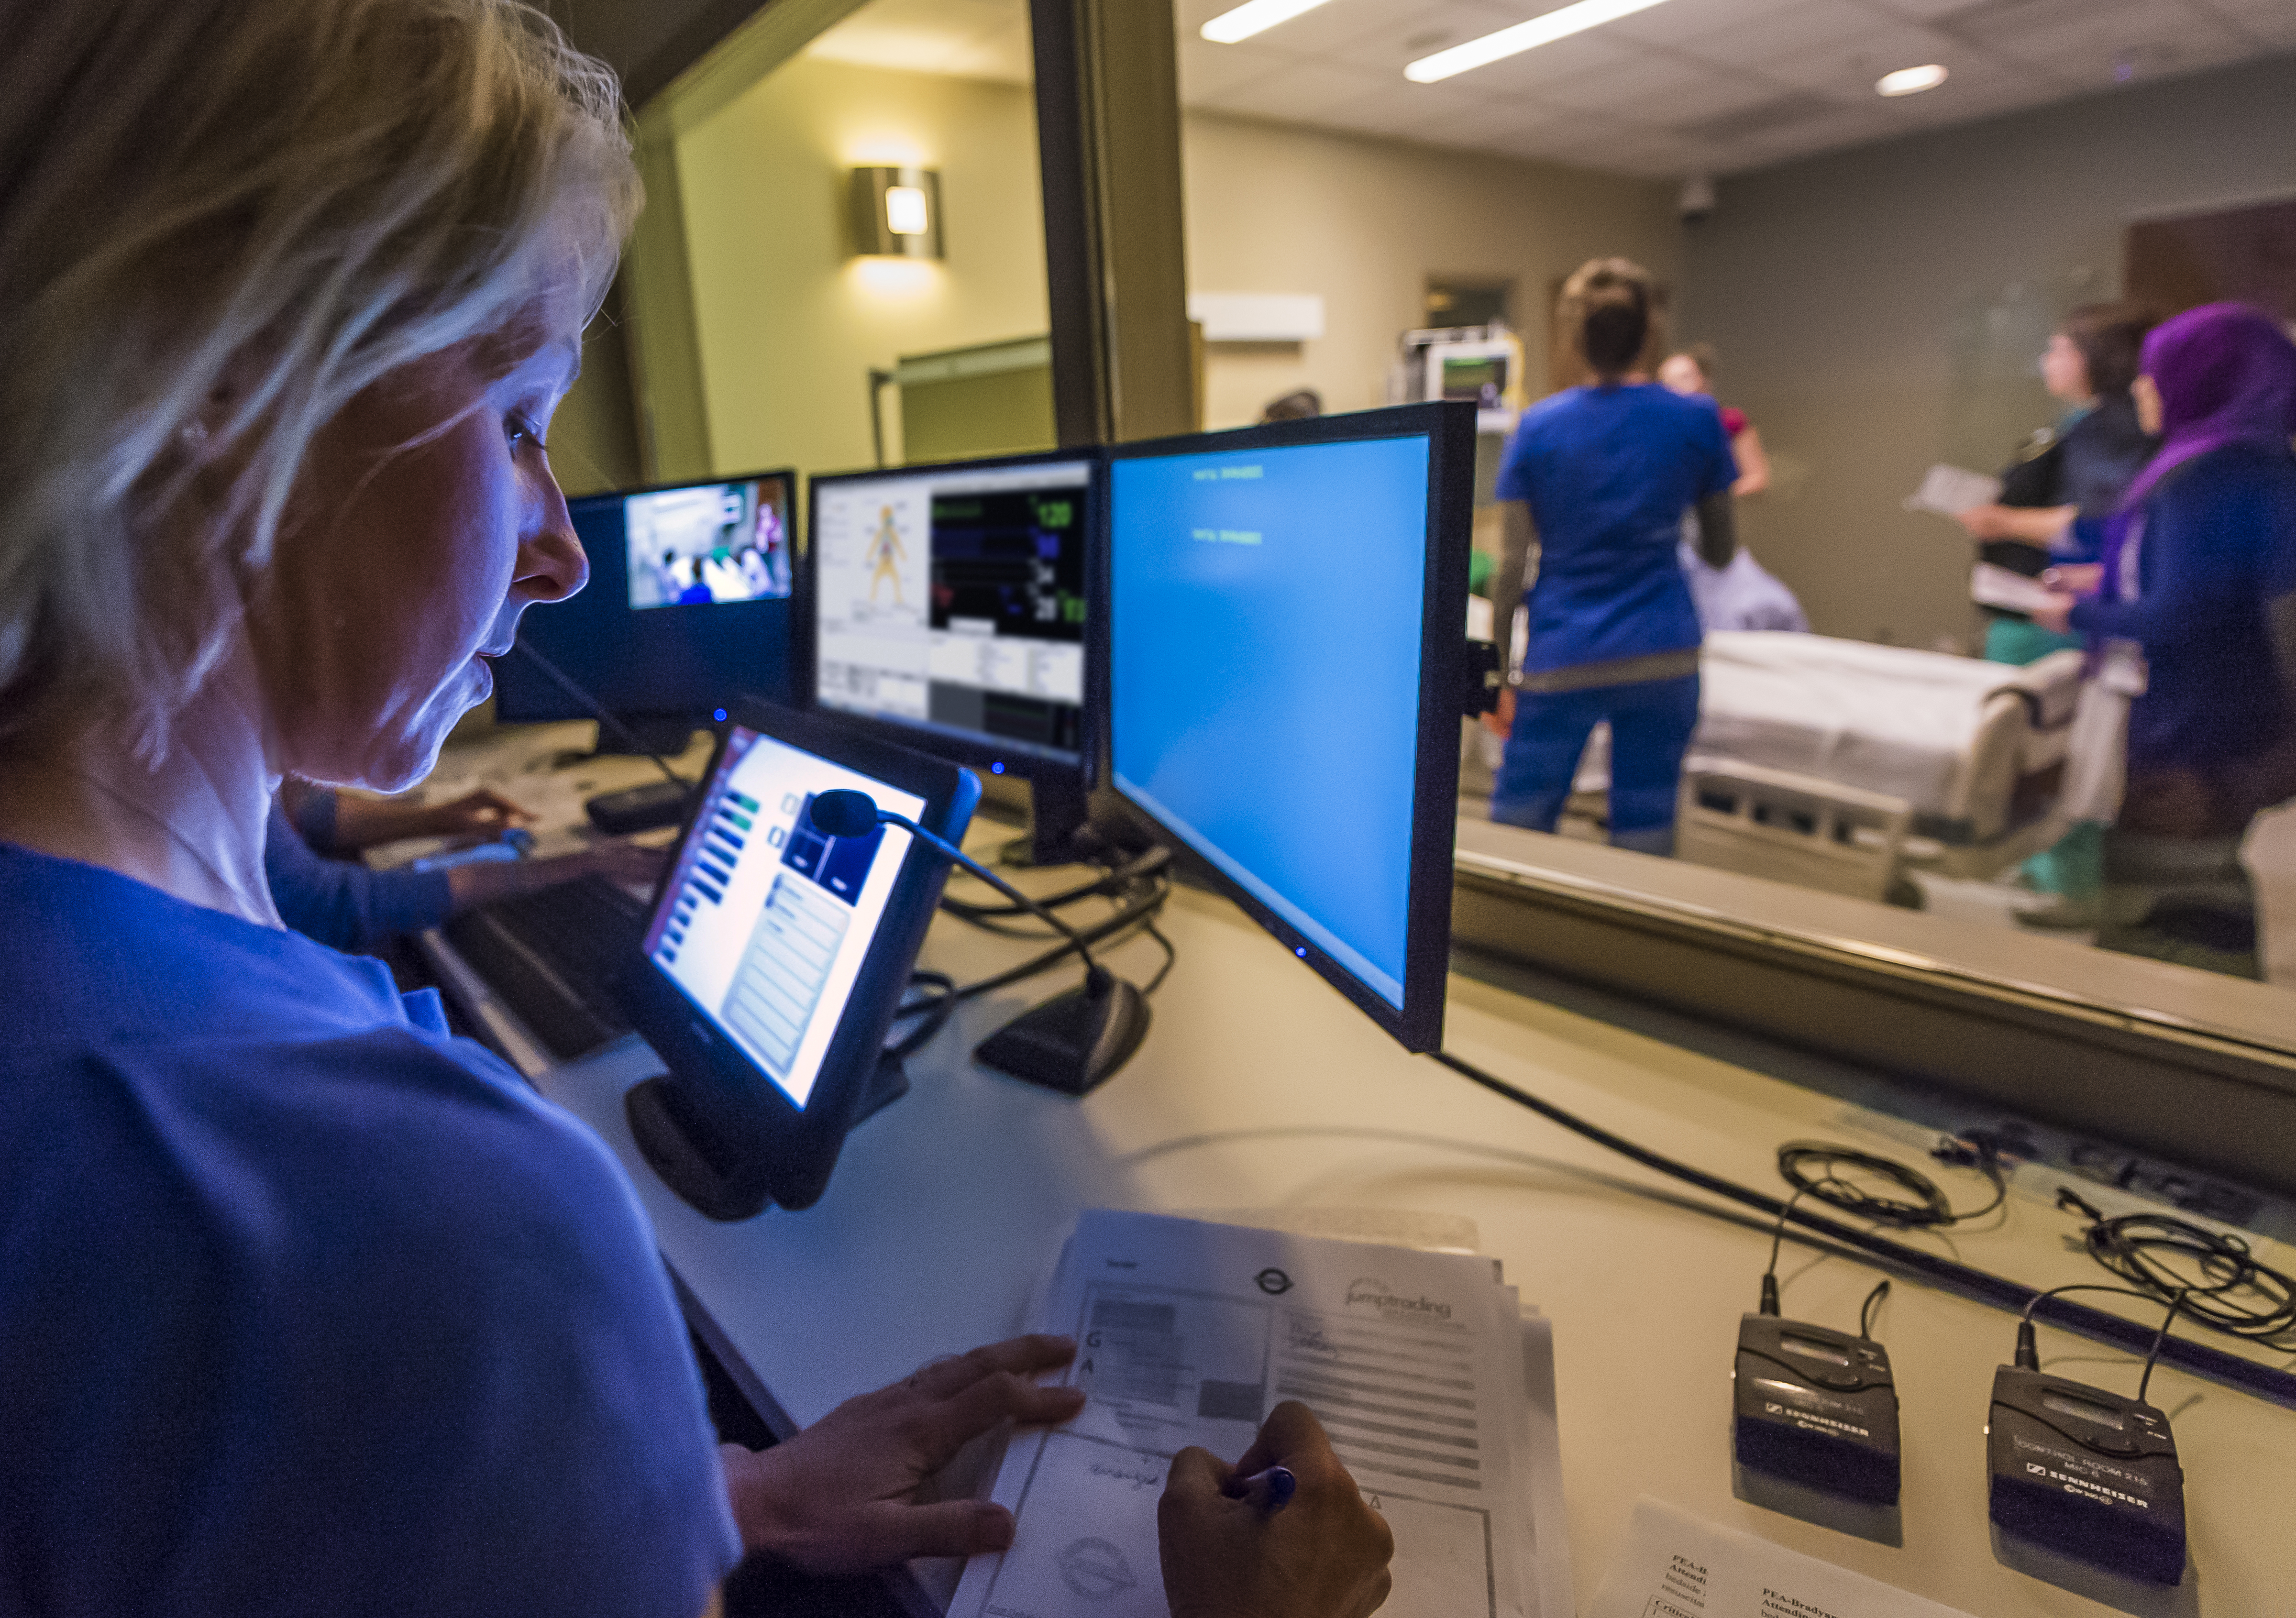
<point>1284,671</point>
<point>687,607</point>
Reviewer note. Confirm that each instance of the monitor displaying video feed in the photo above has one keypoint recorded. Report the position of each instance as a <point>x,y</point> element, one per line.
<point>687,607</point>
<point>708,543</point>
<point>949,602</point>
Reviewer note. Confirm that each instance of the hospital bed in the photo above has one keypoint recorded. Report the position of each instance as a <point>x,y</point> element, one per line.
<point>1837,764</point>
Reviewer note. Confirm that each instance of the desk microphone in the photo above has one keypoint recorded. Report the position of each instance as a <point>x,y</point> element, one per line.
<point>1069,1044</point>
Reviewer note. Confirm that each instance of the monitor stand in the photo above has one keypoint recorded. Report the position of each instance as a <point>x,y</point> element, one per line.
<point>663,733</point>
<point>675,1143</point>
<point>1060,827</point>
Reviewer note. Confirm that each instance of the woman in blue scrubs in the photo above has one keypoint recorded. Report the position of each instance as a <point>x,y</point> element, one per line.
<point>1593,491</point>
<point>307,1307</point>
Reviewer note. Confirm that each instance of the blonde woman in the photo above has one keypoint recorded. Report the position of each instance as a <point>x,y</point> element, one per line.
<point>304,1306</point>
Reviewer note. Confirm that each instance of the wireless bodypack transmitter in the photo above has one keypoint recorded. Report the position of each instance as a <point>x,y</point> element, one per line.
<point>1818,1408</point>
<point>2088,1473</point>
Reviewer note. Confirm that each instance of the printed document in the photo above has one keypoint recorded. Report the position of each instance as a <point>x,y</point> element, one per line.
<point>1950,490</point>
<point>1189,1333</point>
<point>1675,1566</point>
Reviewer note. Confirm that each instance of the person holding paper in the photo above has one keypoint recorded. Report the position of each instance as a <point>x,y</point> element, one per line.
<point>1595,483</point>
<point>2198,583</point>
<point>2080,468</point>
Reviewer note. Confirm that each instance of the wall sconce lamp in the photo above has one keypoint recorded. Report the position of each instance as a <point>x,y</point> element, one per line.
<point>896,213</point>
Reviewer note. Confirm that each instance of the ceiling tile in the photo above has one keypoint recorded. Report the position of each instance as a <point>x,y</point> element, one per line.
<point>1208,70</point>
<point>1681,20</point>
<point>2106,43</point>
<point>1533,69</point>
<point>1662,89</point>
<point>1776,37</point>
<point>1315,91</point>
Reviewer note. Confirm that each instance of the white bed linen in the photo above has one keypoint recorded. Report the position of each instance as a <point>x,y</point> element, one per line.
<point>1886,718</point>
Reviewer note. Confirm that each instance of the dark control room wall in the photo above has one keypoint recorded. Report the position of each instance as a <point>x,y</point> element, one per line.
<point>1880,309</point>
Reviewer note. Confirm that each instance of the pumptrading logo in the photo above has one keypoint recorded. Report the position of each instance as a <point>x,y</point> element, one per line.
<point>1369,1292</point>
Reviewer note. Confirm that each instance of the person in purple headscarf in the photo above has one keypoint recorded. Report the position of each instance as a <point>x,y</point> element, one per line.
<point>2199,578</point>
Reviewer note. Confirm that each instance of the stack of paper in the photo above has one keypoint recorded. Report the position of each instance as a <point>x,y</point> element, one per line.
<point>1437,1389</point>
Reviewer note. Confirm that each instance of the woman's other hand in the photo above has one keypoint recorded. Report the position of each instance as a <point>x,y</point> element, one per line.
<point>1324,1555</point>
<point>1500,721</point>
<point>2075,578</point>
<point>484,812</point>
<point>2042,526</point>
<point>839,1498</point>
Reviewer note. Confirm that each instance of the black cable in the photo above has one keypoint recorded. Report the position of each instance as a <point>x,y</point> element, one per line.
<point>1171,958</point>
<point>1930,1209</point>
<point>1111,882</point>
<point>2145,1381</point>
<point>1777,1237</point>
<point>622,732</point>
<point>935,1010</point>
<point>2265,1381</point>
<point>2224,1284</point>
<point>1873,1301</point>
<point>1107,928</point>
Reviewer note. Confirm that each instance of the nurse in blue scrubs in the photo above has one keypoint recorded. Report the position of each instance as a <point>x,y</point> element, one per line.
<point>1593,491</point>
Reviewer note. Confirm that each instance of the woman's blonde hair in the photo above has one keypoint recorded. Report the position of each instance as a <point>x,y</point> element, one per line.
<point>220,221</point>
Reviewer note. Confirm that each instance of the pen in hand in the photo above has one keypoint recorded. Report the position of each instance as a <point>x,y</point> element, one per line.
<point>1270,1491</point>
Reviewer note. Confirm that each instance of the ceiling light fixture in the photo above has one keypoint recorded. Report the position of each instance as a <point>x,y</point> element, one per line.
<point>1254,17</point>
<point>1523,37</point>
<point>1911,81</point>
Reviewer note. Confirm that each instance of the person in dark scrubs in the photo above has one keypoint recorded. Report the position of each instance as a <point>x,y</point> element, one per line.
<point>2079,468</point>
<point>1595,485</point>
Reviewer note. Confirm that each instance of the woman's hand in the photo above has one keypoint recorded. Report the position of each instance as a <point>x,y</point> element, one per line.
<point>2075,578</point>
<point>363,822</point>
<point>617,859</point>
<point>839,1498</point>
<point>2057,617</point>
<point>1324,1555</point>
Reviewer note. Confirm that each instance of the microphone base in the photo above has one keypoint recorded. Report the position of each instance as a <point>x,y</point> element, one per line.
<point>1073,1041</point>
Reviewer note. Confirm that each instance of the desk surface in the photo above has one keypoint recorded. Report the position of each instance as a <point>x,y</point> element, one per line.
<point>1258,1087</point>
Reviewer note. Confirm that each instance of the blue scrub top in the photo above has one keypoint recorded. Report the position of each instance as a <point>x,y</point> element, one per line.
<point>308,1306</point>
<point>1608,473</point>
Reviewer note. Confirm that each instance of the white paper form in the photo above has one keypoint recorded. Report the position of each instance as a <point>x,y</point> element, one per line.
<point>1673,1565</point>
<point>1950,490</point>
<point>1189,1333</point>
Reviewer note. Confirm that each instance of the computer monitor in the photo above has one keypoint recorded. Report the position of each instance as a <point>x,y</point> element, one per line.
<point>776,956</point>
<point>687,607</point>
<point>1286,667</point>
<point>944,606</point>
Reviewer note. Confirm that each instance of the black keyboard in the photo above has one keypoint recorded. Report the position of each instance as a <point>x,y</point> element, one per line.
<point>553,956</point>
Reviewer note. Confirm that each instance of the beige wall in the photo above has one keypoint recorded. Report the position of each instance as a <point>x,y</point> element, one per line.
<point>1364,223</point>
<point>1881,309</point>
<point>788,323</point>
